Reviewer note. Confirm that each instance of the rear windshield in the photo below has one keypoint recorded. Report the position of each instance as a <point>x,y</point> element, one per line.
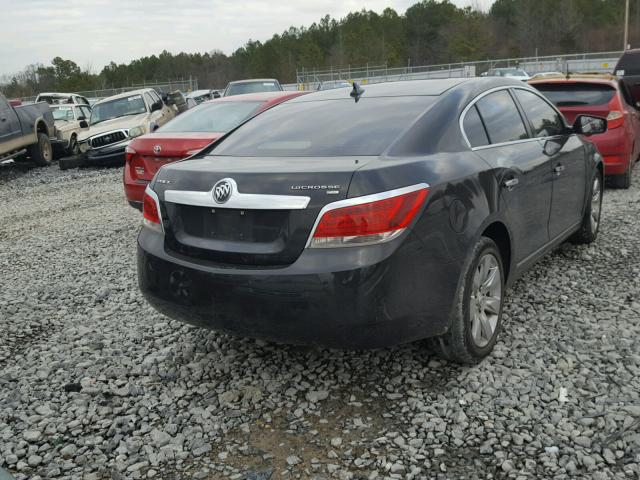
<point>252,87</point>
<point>325,128</point>
<point>576,94</point>
<point>212,117</point>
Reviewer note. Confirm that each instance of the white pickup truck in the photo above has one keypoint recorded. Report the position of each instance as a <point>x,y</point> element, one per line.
<point>26,130</point>
<point>116,120</point>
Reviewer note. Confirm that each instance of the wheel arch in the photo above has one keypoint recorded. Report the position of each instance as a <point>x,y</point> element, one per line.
<point>41,127</point>
<point>499,233</point>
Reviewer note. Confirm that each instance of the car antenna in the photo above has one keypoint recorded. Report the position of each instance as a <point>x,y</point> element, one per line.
<point>356,92</point>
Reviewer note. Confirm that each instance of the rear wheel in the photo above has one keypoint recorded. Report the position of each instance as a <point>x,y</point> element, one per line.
<point>41,152</point>
<point>591,220</point>
<point>477,316</point>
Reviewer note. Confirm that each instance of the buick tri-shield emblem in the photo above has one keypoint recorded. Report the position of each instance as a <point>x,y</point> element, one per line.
<point>222,190</point>
<point>157,149</point>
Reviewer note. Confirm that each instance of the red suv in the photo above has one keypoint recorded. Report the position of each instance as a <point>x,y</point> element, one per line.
<point>189,133</point>
<point>604,96</point>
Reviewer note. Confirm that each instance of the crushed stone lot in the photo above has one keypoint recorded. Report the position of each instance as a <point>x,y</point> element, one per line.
<point>94,384</point>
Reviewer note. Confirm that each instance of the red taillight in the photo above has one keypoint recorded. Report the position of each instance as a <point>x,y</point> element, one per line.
<point>615,119</point>
<point>134,162</point>
<point>150,210</point>
<point>369,219</point>
<point>129,153</point>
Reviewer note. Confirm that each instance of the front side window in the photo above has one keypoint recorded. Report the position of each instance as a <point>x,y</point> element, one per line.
<point>545,120</point>
<point>501,117</point>
<point>149,100</point>
<point>132,105</point>
<point>326,128</point>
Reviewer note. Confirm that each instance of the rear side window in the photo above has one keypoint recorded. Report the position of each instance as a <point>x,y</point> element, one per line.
<point>545,120</point>
<point>326,128</point>
<point>474,129</point>
<point>212,117</point>
<point>629,64</point>
<point>501,117</point>
<point>252,87</point>
<point>566,94</point>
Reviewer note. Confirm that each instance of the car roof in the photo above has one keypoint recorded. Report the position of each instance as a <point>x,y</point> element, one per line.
<point>253,80</point>
<point>258,96</point>
<point>195,93</point>
<point>432,87</point>
<point>126,94</point>
<point>59,94</point>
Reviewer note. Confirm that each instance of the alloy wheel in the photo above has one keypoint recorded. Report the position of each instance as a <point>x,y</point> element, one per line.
<point>46,152</point>
<point>486,300</point>
<point>595,204</point>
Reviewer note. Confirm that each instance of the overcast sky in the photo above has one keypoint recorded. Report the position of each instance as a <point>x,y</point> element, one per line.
<point>95,32</point>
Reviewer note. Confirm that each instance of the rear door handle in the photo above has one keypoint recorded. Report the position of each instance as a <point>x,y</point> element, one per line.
<point>558,169</point>
<point>511,183</point>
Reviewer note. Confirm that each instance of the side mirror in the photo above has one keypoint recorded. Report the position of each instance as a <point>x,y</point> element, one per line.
<point>216,94</point>
<point>84,124</point>
<point>588,125</point>
<point>156,106</point>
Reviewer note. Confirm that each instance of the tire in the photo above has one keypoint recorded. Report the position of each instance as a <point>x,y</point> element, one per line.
<point>470,338</point>
<point>591,220</point>
<point>74,148</point>
<point>41,152</point>
<point>75,161</point>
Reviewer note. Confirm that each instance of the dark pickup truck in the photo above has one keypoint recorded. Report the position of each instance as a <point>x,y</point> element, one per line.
<point>25,130</point>
<point>628,70</point>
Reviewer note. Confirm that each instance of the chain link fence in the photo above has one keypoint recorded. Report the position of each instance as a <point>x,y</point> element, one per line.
<point>184,85</point>
<point>601,62</point>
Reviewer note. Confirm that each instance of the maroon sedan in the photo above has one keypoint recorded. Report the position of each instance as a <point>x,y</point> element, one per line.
<point>188,134</point>
<point>603,96</point>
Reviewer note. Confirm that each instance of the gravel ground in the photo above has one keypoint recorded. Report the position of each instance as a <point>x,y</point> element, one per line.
<point>94,384</point>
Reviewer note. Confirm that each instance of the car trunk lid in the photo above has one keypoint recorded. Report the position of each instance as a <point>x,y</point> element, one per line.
<point>575,98</point>
<point>268,217</point>
<point>155,150</point>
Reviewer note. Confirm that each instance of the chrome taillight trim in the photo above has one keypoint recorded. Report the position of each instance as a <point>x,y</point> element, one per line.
<point>238,200</point>
<point>153,226</point>
<point>349,202</point>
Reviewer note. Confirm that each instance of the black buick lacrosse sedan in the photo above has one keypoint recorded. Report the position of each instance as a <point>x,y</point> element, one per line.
<point>373,216</point>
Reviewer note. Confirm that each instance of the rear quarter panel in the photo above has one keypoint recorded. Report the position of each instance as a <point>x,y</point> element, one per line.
<point>463,200</point>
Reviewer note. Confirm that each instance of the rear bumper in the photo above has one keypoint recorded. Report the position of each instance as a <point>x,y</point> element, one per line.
<point>616,164</point>
<point>615,147</point>
<point>133,188</point>
<point>345,298</point>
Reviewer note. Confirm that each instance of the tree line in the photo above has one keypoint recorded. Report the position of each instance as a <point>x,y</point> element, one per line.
<point>429,32</point>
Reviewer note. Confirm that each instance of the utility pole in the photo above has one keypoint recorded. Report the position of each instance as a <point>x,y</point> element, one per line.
<point>626,25</point>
